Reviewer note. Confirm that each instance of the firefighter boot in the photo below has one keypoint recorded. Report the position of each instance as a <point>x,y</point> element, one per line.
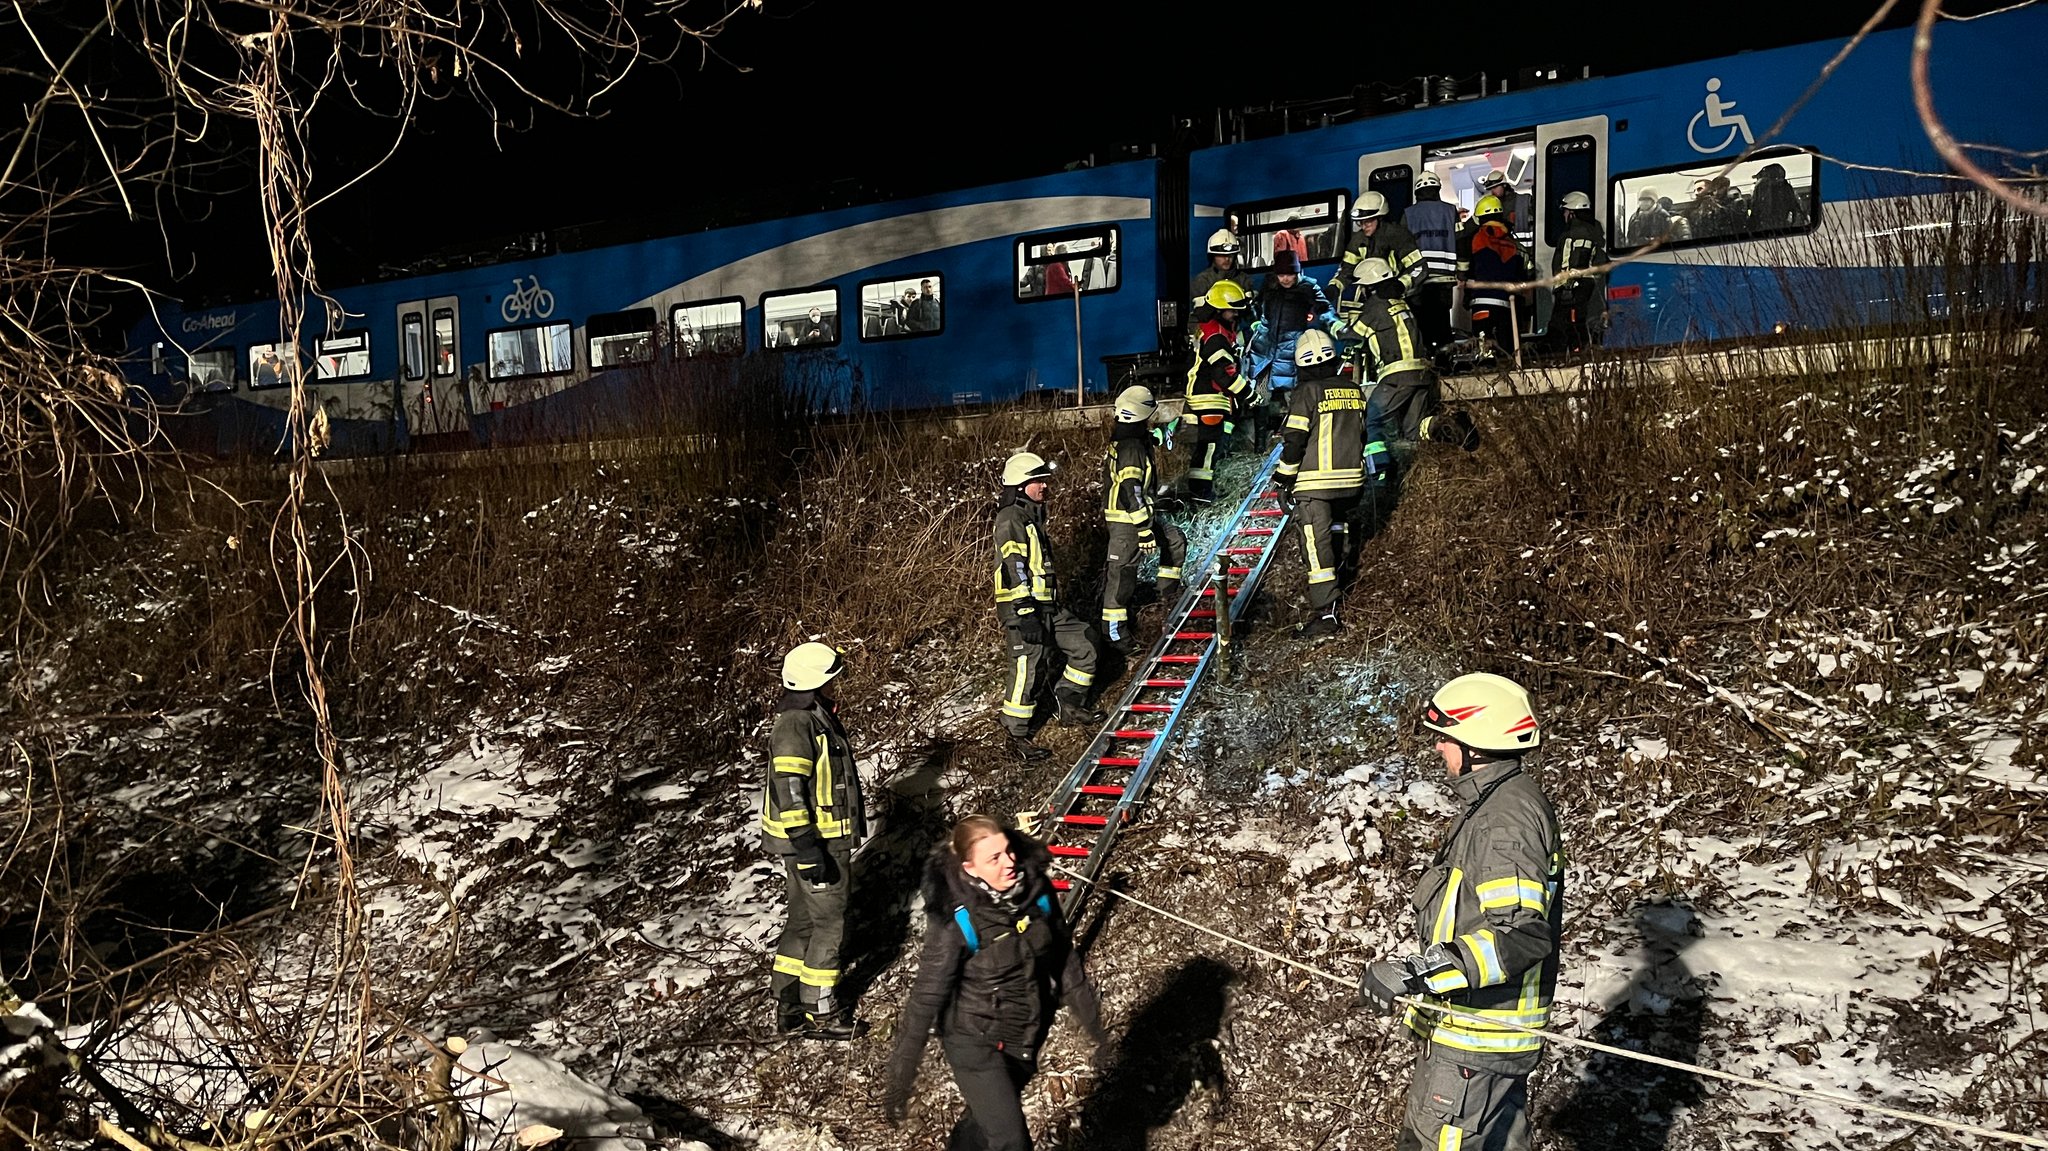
<point>1168,595</point>
<point>834,1028</point>
<point>1075,712</point>
<point>1022,747</point>
<point>1322,625</point>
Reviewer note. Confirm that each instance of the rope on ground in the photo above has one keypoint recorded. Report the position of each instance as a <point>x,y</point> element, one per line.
<point>1588,1044</point>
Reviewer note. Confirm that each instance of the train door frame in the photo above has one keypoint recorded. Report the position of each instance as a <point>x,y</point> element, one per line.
<point>1549,137</point>
<point>432,391</point>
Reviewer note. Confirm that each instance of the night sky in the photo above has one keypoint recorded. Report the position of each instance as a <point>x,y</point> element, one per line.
<point>815,105</point>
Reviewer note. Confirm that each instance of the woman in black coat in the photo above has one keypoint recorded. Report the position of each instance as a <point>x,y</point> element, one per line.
<point>998,961</point>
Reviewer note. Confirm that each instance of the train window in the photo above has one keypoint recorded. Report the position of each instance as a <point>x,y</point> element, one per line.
<point>342,356</point>
<point>412,349</point>
<point>1397,184</point>
<point>620,338</point>
<point>1567,167</point>
<point>800,318</point>
<point>1309,225</point>
<point>709,327</point>
<point>212,370</point>
<point>533,350</point>
<point>908,306</point>
<point>1058,264</point>
<point>267,364</point>
<point>1773,193</point>
<point>444,343</point>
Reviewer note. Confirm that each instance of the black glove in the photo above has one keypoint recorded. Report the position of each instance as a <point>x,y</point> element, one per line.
<point>1030,627</point>
<point>895,1106</point>
<point>813,862</point>
<point>1382,982</point>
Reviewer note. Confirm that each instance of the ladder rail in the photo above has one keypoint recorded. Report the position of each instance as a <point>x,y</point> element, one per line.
<point>1062,808</point>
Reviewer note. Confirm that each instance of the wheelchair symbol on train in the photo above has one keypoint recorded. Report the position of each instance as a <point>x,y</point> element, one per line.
<point>1716,115</point>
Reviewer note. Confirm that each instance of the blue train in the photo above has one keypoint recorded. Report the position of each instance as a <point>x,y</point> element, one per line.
<point>1076,282</point>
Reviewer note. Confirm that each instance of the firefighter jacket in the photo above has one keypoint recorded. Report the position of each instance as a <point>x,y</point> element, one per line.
<point>813,786</point>
<point>1584,246</point>
<point>1215,385</point>
<point>1200,312</point>
<point>1283,315</point>
<point>1024,575</point>
<point>1390,339</point>
<point>995,967</point>
<point>1435,227</point>
<point>1127,477</point>
<point>1322,444</point>
<point>1494,898</point>
<point>1496,259</point>
<point>1392,242</point>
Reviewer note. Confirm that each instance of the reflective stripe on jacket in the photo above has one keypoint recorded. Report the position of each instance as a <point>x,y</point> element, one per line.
<point>1494,897</point>
<point>1214,382</point>
<point>1391,338</point>
<point>813,785</point>
<point>1435,226</point>
<point>1127,476</point>
<point>1323,442</point>
<point>1024,576</point>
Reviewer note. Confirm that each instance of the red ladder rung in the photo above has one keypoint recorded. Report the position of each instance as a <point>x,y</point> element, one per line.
<point>1150,707</point>
<point>1244,551</point>
<point>1062,885</point>
<point>1134,733</point>
<point>1239,572</point>
<point>1256,531</point>
<point>1069,852</point>
<point>1086,820</point>
<point>1209,591</point>
<point>1202,613</point>
<point>1180,659</point>
<point>1115,761</point>
<point>1165,683</point>
<point>1265,512</point>
<point>1196,634</point>
<point>1102,788</point>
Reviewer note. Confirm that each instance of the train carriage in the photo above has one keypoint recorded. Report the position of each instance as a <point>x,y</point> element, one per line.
<point>1075,280</point>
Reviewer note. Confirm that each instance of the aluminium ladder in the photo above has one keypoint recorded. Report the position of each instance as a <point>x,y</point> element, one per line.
<point>1099,796</point>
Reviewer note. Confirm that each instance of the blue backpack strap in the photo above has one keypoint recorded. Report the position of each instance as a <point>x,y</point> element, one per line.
<point>966,923</point>
<point>1045,904</point>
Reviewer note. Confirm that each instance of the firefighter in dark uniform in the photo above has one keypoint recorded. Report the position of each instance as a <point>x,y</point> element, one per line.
<point>1580,308</point>
<point>812,817</point>
<point>1135,528</point>
<point>1406,405</point>
<point>1322,468</point>
<point>998,962</point>
<point>1376,234</point>
<point>1217,389</point>
<point>1489,911</point>
<point>1027,603</point>
<point>1226,262</point>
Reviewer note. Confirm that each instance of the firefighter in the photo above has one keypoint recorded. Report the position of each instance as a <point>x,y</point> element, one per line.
<point>1135,528</point>
<point>1217,390</point>
<point>1027,603</point>
<point>1580,306</point>
<point>1322,467</point>
<point>1496,259</point>
<point>1407,401</point>
<point>812,817</point>
<point>1488,913</point>
<point>1434,223</point>
<point>1376,234</point>
<point>1226,263</point>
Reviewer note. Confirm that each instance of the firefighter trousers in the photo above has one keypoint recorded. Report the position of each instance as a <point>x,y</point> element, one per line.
<point>1121,563</point>
<point>1327,546</point>
<point>807,959</point>
<point>1210,446</point>
<point>1405,401</point>
<point>1456,1108</point>
<point>1075,640</point>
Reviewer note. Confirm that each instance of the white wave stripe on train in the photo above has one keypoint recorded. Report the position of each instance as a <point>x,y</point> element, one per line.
<point>858,247</point>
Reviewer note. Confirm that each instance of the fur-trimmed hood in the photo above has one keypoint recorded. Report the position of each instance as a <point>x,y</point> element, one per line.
<point>947,885</point>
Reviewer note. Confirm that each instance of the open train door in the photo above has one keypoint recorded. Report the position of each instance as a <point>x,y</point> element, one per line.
<point>1572,157</point>
<point>1391,174</point>
<point>432,398</point>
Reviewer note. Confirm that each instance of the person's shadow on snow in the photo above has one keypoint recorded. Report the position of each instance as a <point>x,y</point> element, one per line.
<point>1616,1102</point>
<point>890,869</point>
<point>1167,1053</point>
